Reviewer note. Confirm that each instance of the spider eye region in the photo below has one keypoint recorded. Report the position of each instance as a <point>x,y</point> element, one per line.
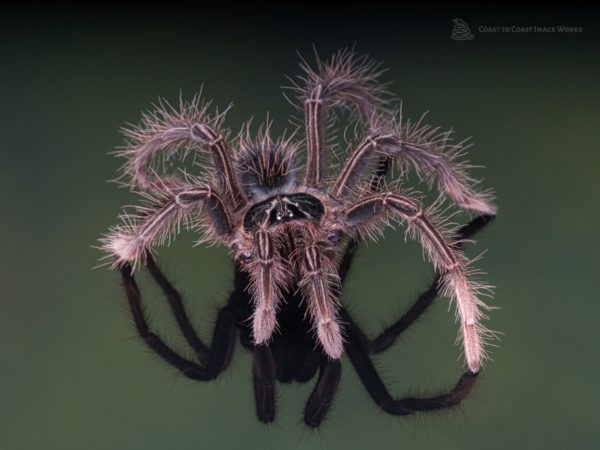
<point>283,208</point>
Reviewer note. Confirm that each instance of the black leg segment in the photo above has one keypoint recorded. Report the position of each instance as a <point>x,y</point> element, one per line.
<point>407,405</point>
<point>178,310</point>
<point>263,377</point>
<point>217,356</point>
<point>321,398</point>
<point>154,342</point>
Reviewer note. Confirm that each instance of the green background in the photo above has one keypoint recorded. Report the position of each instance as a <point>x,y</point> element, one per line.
<point>74,375</point>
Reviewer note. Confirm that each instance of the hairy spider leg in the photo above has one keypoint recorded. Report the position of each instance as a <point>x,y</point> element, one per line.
<point>379,393</point>
<point>156,222</point>
<point>319,288</point>
<point>212,360</point>
<point>458,285</point>
<point>426,158</point>
<point>166,132</point>
<point>388,337</point>
<point>266,284</point>
<point>341,82</point>
<point>359,346</point>
<point>321,397</point>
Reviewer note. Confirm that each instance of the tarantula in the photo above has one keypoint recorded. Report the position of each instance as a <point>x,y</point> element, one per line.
<point>292,230</point>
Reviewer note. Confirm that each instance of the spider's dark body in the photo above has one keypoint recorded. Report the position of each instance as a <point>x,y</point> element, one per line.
<point>292,239</point>
<point>283,208</point>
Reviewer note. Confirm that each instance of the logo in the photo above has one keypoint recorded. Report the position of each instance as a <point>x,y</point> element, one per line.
<point>460,31</point>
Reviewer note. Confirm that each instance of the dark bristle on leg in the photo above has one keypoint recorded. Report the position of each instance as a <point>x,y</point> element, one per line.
<point>383,167</point>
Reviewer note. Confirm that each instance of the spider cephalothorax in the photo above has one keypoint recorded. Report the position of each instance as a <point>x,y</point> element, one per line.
<point>292,225</point>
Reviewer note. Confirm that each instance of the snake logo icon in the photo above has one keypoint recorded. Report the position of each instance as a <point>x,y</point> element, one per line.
<point>460,31</point>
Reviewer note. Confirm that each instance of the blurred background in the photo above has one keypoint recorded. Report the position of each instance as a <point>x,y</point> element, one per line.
<point>74,375</point>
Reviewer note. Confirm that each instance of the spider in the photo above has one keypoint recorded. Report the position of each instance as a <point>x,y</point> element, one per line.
<point>292,227</point>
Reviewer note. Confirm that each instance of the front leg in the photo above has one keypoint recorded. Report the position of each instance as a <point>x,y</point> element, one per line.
<point>320,286</point>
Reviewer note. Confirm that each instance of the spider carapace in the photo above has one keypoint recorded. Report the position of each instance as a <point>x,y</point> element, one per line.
<point>283,208</point>
<point>292,226</point>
